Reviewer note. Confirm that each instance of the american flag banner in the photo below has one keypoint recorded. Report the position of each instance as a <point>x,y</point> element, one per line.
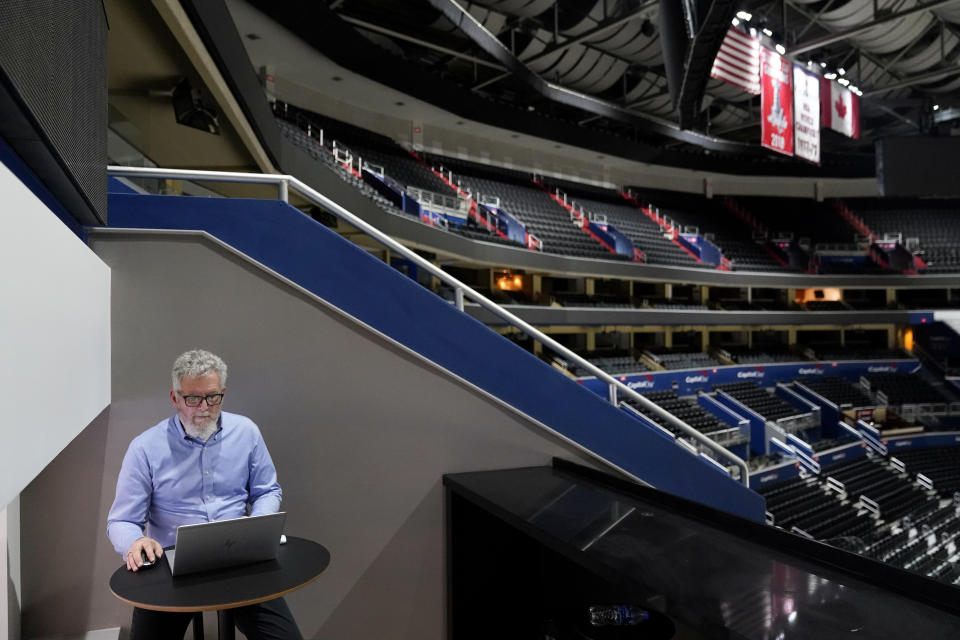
<point>738,61</point>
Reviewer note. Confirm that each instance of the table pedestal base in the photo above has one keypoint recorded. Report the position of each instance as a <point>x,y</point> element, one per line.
<point>225,625</point>
<point>198,625</point>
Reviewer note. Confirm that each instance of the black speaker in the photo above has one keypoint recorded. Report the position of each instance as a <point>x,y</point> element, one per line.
<point>190,111</point>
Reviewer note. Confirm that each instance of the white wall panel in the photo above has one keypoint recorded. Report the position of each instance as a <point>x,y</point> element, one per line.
<point>54,335</point>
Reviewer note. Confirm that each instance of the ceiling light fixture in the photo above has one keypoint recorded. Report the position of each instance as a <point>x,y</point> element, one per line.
<point>746,16</point>
<point>735,21</point>
<point>767,32</point>
<point>830,76</point>
<point>936,107</point>
<point>823,65</point>
<point>842,71</point>
<point>781,49</point>
<point>843,81</point>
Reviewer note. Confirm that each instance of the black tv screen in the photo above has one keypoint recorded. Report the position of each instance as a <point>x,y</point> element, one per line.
<point>918,166</point>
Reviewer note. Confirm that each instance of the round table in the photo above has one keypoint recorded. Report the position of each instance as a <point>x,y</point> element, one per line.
<point>298,563</point>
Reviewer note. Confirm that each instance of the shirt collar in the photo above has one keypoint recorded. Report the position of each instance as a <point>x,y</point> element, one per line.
<point>173,424</point>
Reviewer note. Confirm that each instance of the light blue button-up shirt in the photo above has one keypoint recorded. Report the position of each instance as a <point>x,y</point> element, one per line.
<point>169,478</point>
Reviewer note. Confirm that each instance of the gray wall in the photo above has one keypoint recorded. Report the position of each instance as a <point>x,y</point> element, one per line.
<point>360,430</point>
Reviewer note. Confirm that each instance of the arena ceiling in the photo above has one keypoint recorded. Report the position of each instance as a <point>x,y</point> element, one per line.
<point>600,63</point>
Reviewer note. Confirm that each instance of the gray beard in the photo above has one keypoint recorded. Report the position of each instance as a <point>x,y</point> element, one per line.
<point>200,433</point>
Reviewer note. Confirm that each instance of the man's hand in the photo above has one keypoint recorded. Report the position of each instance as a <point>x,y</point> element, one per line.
<point>146,545</point>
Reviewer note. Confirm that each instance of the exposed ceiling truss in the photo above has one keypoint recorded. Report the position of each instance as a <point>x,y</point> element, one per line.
<point>602,59</point>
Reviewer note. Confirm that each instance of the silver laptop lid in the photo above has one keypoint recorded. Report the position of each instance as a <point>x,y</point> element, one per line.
<point>226,543</point>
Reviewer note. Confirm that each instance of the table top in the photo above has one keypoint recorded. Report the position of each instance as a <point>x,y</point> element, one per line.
<point>298,563</point>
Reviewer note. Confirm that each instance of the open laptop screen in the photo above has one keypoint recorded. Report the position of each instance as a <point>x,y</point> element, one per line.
<point>226,543</point>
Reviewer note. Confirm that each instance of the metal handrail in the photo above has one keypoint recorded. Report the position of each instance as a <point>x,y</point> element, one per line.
<point>461,291</point>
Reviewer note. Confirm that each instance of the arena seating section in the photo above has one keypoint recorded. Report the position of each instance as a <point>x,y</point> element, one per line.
<point>760,400</point>
<point>915,528</point>
<point>530,204</point>
<point>383,152</point>
<point>941,465</point>
<point>804,503</point>
<point>629,220</point>
<point>800,218</point>
<point>715,222</point>
<point>898,530</point>
<point>596,301</point>
<point>744,241</point>
<point>859,353</point>
<point>904,389</point>
<point>681,359</point>
<point>935,224</point>
<point>690,412</point>
<point>745,355</point>
<point>839,391</point>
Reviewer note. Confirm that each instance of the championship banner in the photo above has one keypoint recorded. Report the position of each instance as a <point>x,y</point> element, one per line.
<point>839,108</point>
<point>806,109</point>
<point>738,61</point>
<point>776,102</point>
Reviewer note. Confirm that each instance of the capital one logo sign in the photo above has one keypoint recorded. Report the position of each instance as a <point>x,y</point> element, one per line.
<point>641,384</point>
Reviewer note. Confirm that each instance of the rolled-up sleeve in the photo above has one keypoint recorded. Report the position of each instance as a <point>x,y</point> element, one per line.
<point>128,515</point>
<point>264,490</point>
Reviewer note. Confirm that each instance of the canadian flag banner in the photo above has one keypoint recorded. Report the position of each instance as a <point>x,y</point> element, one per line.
<point>738,61</point>
<point>776,102</point>
<point>839,108</point>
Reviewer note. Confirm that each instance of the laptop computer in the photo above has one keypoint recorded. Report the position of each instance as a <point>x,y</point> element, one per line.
<point>225,543</point>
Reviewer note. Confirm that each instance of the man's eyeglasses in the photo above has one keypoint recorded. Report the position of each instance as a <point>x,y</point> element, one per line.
<point>213,399</point>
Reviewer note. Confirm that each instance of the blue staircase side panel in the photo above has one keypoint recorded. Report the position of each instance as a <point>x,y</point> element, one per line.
<point>829,412</point>
<point>758,426</point>
<point>794,399</point>
<point>343,274</point>
<point>116,186</point>
<point>723,413</point>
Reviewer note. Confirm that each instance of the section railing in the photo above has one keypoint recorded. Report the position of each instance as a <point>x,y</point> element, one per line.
<point>285,183</point>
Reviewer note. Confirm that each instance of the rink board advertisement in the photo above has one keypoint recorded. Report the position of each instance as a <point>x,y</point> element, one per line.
<point>690,381</point>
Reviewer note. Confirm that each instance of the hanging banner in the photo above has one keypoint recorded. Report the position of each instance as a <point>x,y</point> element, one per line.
<point>806,114</point>
<point>839,108</point>
<point>776,102</point>
<point>738,61</point>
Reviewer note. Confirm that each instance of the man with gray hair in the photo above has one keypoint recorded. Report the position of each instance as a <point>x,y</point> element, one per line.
<point>186,470</point>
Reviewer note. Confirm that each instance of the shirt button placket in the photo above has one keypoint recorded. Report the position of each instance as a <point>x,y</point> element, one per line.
<point>205,483</point>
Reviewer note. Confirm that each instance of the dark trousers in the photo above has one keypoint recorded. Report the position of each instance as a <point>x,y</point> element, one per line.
<point>269,620</point>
